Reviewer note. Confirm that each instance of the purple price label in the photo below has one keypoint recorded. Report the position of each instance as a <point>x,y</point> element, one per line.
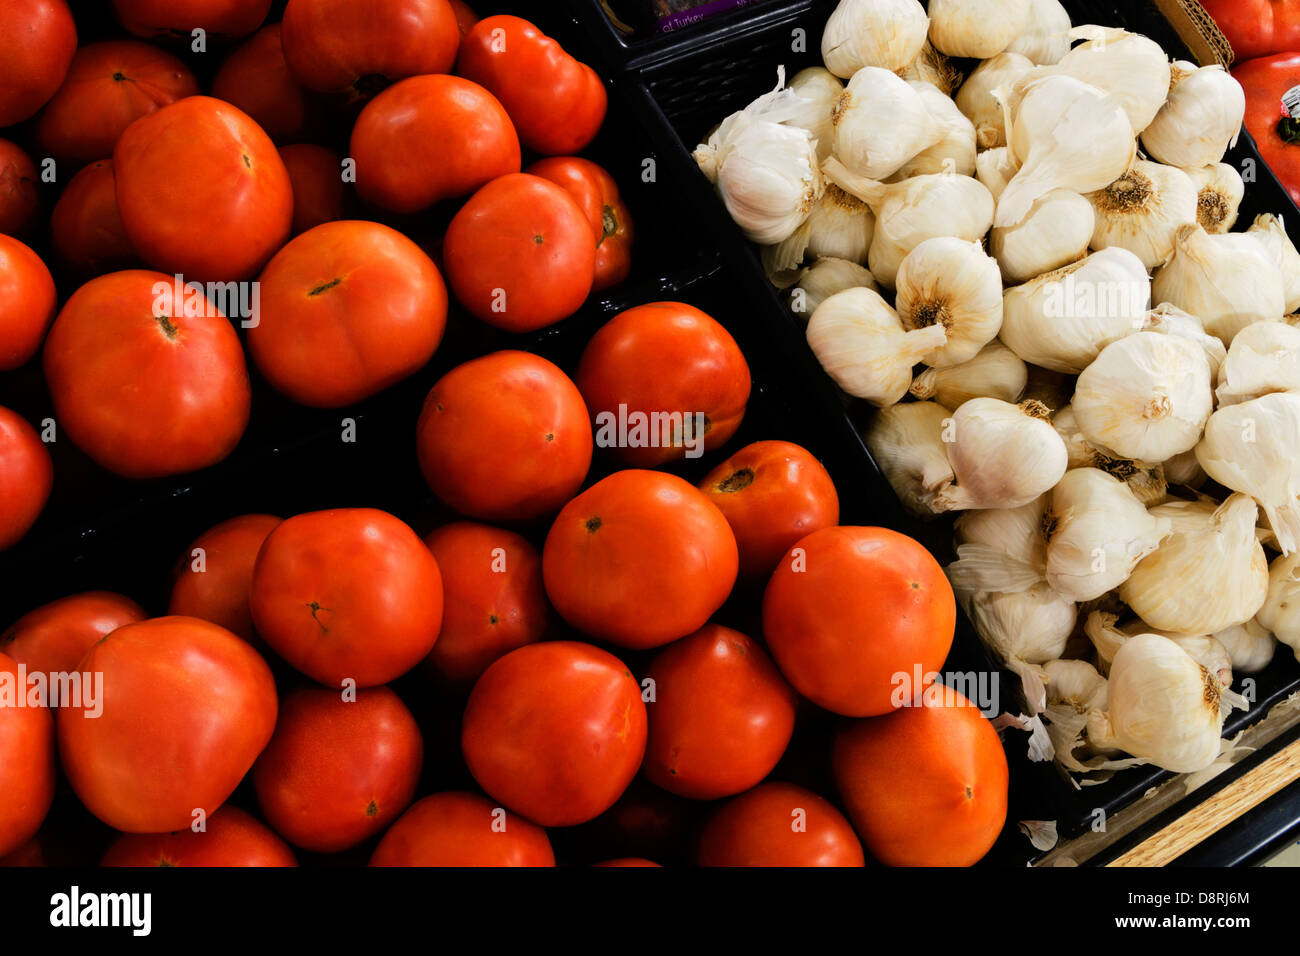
<point>675,21</point>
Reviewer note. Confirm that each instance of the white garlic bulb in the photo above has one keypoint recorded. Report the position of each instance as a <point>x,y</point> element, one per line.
<point>883,33</point>
<point>1209,574</point>
<point>1264,358</point>
<point>840,226</point>
<point>976,100</point>
<point>880,123</point>
<point>820,89</point>
<point>995,167</point>
<point>995,372</point>
<point>1250,646</point>
<point>952,283</point>
<point>1129,66</point>
<point>976,28</point>
<point>862,345</point>
<point>825,277</point>
<point>1143,209</point>
<point>1022,627</point>
<point>1074,690</point>
<point>1063,319</point>
<point>1057,232</point>
<point>906,443</point>
<point>1107,637</point>
<point>1200,120</point>
<point>1002,455</point>
<point>1046,35</point>
<point>1271,231</point>
<point>955,150</point>
<point>1000,549</point>
<point>1281,610</point>
<point>1227,281</point>
<point>1170,320</point>
<point>1146,481</point>
<point>1219,194</point>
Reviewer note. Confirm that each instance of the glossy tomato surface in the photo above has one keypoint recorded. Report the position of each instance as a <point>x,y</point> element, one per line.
<point>26,477</point>
<point>462,829</point>
<point>54,637</point>
<point>86,228</point>
<point>779,824</point>
<point>18,198</point>
<point>26,764</point>
<point>1265,81</point>
<point>597,193</point>
<point>231,838</point>
<point>27,303</point>
<point>216,573</point>
<point>255,78</point>
<point>37,43</point>
<point>318,192</point>
<point>228,18</point>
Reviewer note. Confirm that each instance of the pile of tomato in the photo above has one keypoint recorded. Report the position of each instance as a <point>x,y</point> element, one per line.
<point>586,668</point>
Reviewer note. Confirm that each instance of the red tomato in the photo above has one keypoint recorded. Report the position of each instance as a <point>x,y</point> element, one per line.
<point>557,102</point>
<point>772,493</point>
<point>18,200</point>
<point>779,824</point>
<point>925,785</point>
<point>348,309</point>
<point>347,594</point>
<point>27,301</point>
<point>146,394</point>
<point>37,42</point>
<point>30,853</point>
<point>493,594</point>
<point>86,228</point>
<point>202,191</point>
<point>343,46</point>
<point>26,761</point>
<point>1265,81</point>
<point>555,731</point>
<point>430,138</point>
<point>597,194</point>
<point>231,838</point>
<point>338,772</point>
<point>186,708</point>
<point>317,178</point>
<point>465,17</point>
<point>108,87</point>
<point>216,572</point>
<point>639,559</point>
<point>504,437</point>
<point>849,612</point>
<point>53,638</point>
<point>721,718</point>
<point>1257,27</point>
<point>662,359</point>
<point>627,861</point>
<point>256,79</point>
<point>520,254</point>
<point>462,829</point>
<point>230,18</point>
<point>26,477</point>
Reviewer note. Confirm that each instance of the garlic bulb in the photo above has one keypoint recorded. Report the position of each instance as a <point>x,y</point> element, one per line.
<point>1000,549</point>
<point>906,443</point>
<point>1170,320</point>
<point>1046,35</point>
<point>820,89</point>
<point>1142,210</point>
<point>1146,396</point>
<point>1219,194</point>
<point>825,277</point>
<point>976,100</point>
<point>1129,66</point>
<point>955,150</point>
<point>880,123</point>
<point>933,67</point>
<point>1146,482</point>
<point>1270,230</point>
<point>1067,135</point>
<point>862,345</point>
<point>1057,231</point>
<point>952,283</point>
<point>1096,533</point>
<point>1200,120</point>
<point>1281,610</point>
<point>1002,455</point>
<point>996,372</point>
<point>1185,470</point>
<point>1023,628</point>
<point>1209,574</point>
<point>1264,358</point>
<point>1107,638</point>
<point>839,227</point>
<point>1163,707</point>
<point>1250,646</point>
<point>995,167</point>
<point>1074,690</point>
<point>1227,281</point>
<point>1254,448</point>
<point>1063,319</point>
<point>883,33</point>
<point>976,28</point>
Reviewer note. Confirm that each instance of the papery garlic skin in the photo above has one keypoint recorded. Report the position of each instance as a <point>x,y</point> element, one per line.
<point>996,372</point>
<point>995,167</point>
<point>931,66</point>
<point>906,443</point>
<point>1170,320</point>
<point>825,277</point>
<point>1281,610</point>
<point>1271,231</point>
<point>976,28</point>
<point>884,33</point>
<point>1130,67</point>
<point>976,100</point>
<point>821,90</point>
<point>1000,549</point>
<point>862,345</point>
<point>952,283</point>
<point>1200,120</point>
<point>840,226</point>
<point>1030,625</point>
<point>1219,194</point>
<point>1250,646</point>
<point>1076,683</point>
<point>1264,358</point>
<point>1002,455</point>
<point>955,150</point>
<point>1146,481</point>
<point>1057,232</point>
<point>880,123</point>
<point>1046,34</point>
<point>1143,210</point>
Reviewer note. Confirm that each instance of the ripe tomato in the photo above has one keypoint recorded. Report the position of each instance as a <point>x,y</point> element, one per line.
<point>639,559</point>
<point>1257,28</point>
<point>18,200</point>
<point>213,583</point>
<point>318,193</point>
<point>849,612</point>
<point>597,194</point>
<point>146,394</point>
<point>186,708</point>
<point>772,493</point>
<point>86,228</point>
<point>661,359</point>
<point>53,638</point>
<point>555,731</point>
<point>520,254</point>
<point>202,191</point>
<point>30,853</point>
<point>925,785</point>
<point>338,772</point>
<point>504,437</point>
<point>340,46</point>
<point>348,309</point>
<point>557,102</point>
<point>430,138</point>
<point>232,838</point>
<point>26,477</point>
<point>347,594</point>
<point>493,594</point>
<point>27,301</point>
<point>627,861</point>
<point>465,17</point>
<point>37,42</point>
<point>721,718</point>
<point>462,829</point>
<point>229,18</point>
<point>779,824</point>
<point>108,87</point>
<point>256,79</point>
<point>26,763</point>
<point>1265,81</point>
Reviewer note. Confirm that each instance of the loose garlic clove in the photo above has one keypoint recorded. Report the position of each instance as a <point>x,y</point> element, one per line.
<point>1002,455</point>
<point>999,549</point>
<point>1045,38</point>
<point>996,372</point>
<point>995,168</point>
<point>952,283</point>
<point>821,280</point>
<point>1129,66</point>
<point>1200,120</point>
<point>976,28</point>
<point>1056,232</point>
<point>1219,194</point>
<point>821,90</point>
<point>880,123</point>
<point>1264,358</point>
<point>884,33</point>
<point>976,100</point>
<point>1272,232</point>
<point>1142,211</point>
<point>1170,320</point>
<point>1281,610</point>
<point>906,443</point>
<point>955,150</point>
<point>1250,646</point>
